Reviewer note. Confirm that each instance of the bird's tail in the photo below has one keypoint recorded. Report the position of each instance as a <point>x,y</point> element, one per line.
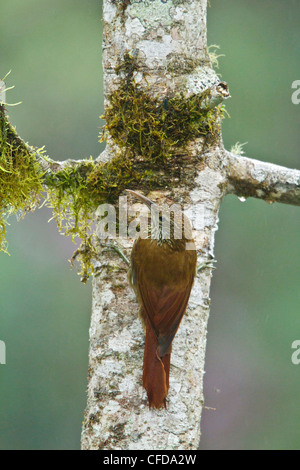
<point>155,371</point>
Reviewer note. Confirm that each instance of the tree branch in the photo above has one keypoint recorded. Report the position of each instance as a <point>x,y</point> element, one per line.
<point>252,178</point>
<point>46,163</point>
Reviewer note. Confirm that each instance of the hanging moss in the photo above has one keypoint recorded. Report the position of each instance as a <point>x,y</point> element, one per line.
<point>20,177</point>
<point>74,194</point>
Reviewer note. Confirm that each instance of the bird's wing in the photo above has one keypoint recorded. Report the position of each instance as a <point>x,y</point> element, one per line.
<point>164,309</point>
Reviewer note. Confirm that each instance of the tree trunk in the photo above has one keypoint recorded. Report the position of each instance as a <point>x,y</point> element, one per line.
<point>164,36</point>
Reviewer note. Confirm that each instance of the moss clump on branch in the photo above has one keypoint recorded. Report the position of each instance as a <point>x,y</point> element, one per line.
<point>67,195</point>
<point>74,193</point>
<point>156,128</point>
<point>20,177</point>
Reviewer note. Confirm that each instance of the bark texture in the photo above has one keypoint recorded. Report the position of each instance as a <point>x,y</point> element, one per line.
<point>251,178</point>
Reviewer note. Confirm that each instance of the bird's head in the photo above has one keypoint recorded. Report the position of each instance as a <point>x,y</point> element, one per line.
<point>168,224</point>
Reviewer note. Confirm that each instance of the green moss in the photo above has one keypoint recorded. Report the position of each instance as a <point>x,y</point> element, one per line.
<point>20,177</point>
<point>156,129</point>
<point>74,194</point>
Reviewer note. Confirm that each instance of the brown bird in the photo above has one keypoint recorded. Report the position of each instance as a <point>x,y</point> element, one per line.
<point>162,272</point>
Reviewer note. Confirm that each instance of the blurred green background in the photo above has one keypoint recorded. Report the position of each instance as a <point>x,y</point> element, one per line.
<point>54,51</point>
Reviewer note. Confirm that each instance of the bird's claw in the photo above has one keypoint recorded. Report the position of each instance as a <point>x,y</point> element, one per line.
<point>206,264</point>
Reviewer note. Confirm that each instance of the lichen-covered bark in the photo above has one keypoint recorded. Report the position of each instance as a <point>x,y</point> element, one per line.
<point>251,178</point>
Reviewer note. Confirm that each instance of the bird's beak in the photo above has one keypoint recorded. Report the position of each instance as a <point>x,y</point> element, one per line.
<point>147,201</point>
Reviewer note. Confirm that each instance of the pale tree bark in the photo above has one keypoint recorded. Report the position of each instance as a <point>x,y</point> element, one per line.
<point>169,39</point>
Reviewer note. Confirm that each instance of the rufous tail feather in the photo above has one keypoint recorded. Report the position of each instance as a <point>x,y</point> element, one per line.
<point>155,371</point>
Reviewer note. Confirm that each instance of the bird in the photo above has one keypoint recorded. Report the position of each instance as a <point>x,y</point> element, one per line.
<point>161,273</point>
